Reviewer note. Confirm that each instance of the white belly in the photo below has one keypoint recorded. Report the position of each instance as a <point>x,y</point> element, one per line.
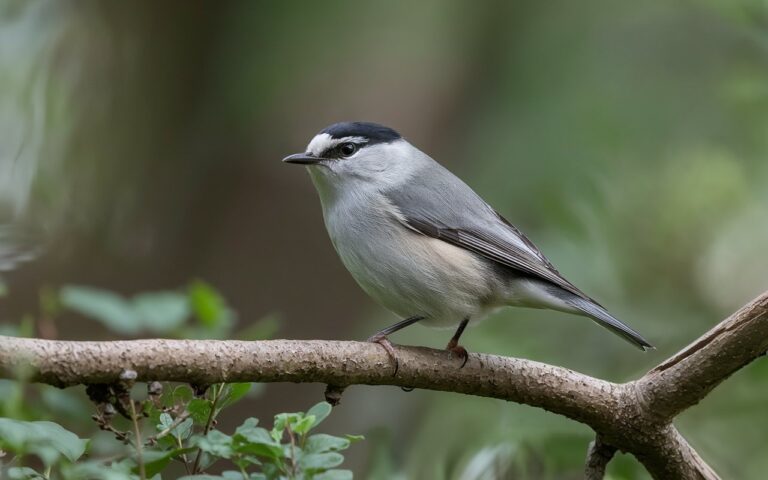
<point>407,272</point>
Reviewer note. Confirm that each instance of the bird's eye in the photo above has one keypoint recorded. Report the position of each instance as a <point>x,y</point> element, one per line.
<point>348,149</point>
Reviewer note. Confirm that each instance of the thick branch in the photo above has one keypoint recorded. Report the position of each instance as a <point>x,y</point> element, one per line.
<point>205,362</point>
<point>633,417</point>
<point>666,454</point>
<point>598,456</point>
<point>687,377</point>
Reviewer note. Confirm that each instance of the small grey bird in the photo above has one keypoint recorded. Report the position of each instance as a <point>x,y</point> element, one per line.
<point>423,244</point>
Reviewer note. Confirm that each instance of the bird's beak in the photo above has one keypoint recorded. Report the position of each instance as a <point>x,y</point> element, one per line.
<point>302,159</point>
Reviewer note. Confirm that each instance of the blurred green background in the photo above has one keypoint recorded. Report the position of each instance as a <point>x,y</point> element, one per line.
<point>140,143</point>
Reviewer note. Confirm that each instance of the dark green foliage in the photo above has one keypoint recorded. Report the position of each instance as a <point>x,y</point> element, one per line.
<point>173,429</point>
<point>176,423</point>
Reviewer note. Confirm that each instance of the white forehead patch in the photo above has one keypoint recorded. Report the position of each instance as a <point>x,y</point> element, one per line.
<point>323,142</point>
<point>319,144</point>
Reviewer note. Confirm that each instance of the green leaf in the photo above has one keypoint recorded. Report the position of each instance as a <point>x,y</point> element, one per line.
<point>45,439</point>
<point>235,392</point>
<point>183,430</point>
<point>155,461</point>
<point>181,394</point>
<point>227,475</point>
<point>216,443</point>
<point>112,310</point>
<point>47,454</point>
<point>23,473</point>
<point>304,425</point>
<point>161,312</point>
<point>321,443</point>
<point>250,422</point>
<point>256,441</point>
<point>158,312</point>
<point>320,461</point>
<point>166,420</point>
<point>209,306</point>
<point>286,419</point>
<point>334,475</point>
<point>281,420</point>
<point>250,431</point>
<point>235,475</point>
<point>99,470</point>
<point>203,476</point>
<point>272,471</point>
<point>260,450</point>
<point>199,409</point>
<point>354,438</point>
<point>320,411</point>
<point>180,431</point>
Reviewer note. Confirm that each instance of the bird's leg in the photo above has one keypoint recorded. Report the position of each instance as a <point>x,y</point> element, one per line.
<point>380,337</point>
<point>453,345</point>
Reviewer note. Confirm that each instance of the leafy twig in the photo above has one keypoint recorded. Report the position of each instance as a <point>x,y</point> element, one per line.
<point>293,448</point>
<point>208,424</point>
<point>167,430</point>
<point>138,442</point>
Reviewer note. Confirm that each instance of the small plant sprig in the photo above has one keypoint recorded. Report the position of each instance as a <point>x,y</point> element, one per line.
<point>288,451</point>
<point>172,430</point>
<point>184,431</point>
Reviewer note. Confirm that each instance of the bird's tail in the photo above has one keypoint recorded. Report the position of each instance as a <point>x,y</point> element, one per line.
<point>602,317</point>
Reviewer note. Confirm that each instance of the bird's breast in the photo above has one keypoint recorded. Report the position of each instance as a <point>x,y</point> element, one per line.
<point>409,273</point>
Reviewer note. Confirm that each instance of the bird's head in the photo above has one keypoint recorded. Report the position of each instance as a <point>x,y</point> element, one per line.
<point>358,152</point>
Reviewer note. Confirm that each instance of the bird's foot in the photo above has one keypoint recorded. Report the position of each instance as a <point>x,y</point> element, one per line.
<point>382,340</point>
<point>458,351</point>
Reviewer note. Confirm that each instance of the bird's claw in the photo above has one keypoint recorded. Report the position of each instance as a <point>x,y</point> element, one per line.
<point>384,342</point>
<point>460,352</point>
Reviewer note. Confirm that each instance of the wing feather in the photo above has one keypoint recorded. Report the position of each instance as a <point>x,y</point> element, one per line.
<point>439,205</point>
<point>498,250</point>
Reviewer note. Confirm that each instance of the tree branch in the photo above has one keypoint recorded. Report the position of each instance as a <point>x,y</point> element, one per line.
<point>205,362</point>
<point>598,456</point>
<point>688,376</point>
<point>633,417</point>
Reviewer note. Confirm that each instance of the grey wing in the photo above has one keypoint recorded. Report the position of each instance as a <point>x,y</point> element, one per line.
<point>442,206</point>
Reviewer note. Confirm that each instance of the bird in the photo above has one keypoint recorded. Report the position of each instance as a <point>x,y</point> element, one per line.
<point>424,244</point>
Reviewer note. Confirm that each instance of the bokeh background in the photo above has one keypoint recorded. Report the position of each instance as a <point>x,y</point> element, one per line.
<point>140,147</point>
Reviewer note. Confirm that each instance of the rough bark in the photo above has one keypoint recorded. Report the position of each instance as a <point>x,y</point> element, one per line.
<point>634,417</point>
<point>598,456</point>
<point>687,377</point>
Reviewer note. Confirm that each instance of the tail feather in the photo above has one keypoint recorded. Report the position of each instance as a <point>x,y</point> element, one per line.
<point>602,317</point>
